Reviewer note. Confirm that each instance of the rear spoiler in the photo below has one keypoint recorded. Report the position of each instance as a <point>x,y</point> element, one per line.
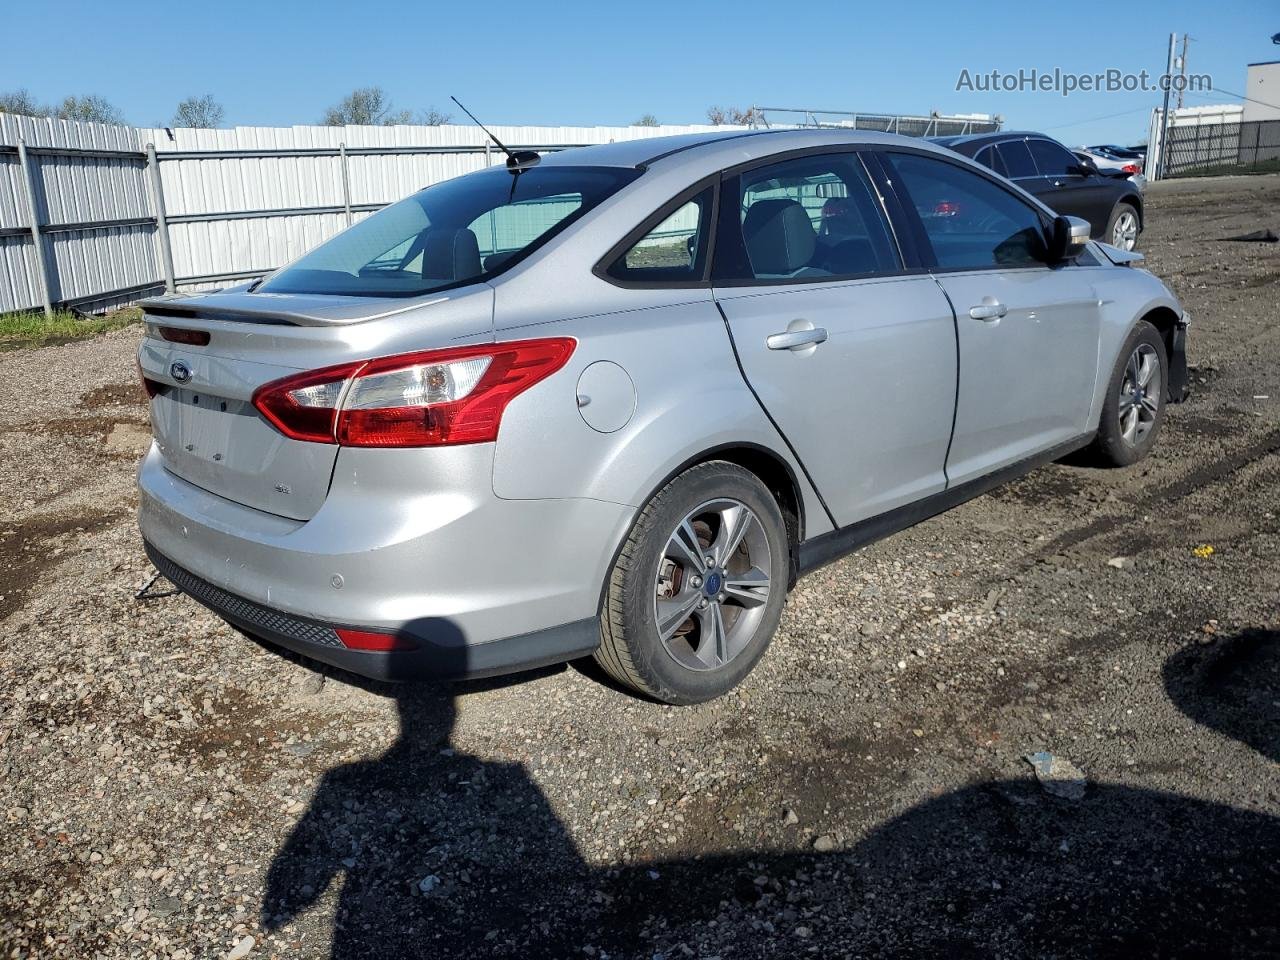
<point>238,306</point>
<point>172,308</point>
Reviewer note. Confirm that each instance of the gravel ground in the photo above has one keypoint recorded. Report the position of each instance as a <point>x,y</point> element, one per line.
<point>169,788</point>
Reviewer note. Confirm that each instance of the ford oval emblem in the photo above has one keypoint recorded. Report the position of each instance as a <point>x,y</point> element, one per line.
<point>179,371</point>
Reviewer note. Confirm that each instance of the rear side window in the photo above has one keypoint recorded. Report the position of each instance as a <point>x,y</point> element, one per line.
<point>672,250</point>
<point>806,218</point>
<point>1051,159</point>
<point>1017,159</point>
<point>971,222</point>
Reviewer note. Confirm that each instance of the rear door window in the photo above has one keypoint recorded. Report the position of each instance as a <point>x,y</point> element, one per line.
<point>806,218</point>
<point>990,158</point>
<point>1017,159</point>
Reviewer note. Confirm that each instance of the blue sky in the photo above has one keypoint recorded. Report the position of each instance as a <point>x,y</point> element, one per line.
<point>605,62</point>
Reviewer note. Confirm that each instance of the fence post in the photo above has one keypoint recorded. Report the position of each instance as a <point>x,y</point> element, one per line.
<point>162,221</point>
<point>42,267</point>
<point>346,181</point>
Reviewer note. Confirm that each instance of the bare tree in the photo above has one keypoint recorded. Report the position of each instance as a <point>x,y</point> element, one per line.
<point>21,101</point>
<point>648,120</point>
<point>365,106</point>
<point>199,112</point>
<point>721,115</point>
<point>90,107</point>
<point>431,117</point>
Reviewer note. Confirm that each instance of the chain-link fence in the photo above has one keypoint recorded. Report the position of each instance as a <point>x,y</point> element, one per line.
<point>1217,149</point>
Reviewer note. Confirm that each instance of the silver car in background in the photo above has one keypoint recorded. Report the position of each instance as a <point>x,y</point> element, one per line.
<point>615,402</point>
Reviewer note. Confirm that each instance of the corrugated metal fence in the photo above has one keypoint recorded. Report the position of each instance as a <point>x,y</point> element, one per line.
<point>120,213</point>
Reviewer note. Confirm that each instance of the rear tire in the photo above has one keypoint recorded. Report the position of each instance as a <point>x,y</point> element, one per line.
<point>677,627</point>
<point>1134,408</point>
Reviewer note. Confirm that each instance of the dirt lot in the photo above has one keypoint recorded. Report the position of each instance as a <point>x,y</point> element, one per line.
<point>169,788</point>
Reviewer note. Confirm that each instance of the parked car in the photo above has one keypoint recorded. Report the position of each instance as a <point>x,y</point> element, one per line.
<point>1047,169</point>
<point>615,403</point>
<point>1109,163</point>
<point>1123,153</point>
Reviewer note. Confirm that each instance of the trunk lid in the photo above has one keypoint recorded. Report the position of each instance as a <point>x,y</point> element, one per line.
<point>206,427</point>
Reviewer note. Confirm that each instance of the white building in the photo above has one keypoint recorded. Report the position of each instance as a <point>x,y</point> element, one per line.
<point>1263,90</point>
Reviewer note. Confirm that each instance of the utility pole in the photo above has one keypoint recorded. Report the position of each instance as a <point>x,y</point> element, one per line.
<point>1164,111</point>
<point>1182,68</point>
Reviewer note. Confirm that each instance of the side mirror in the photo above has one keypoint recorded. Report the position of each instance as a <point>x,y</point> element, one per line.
<point>1065,238</point>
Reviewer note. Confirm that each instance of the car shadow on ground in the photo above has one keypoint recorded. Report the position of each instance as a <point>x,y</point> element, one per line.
<point>443,854</point>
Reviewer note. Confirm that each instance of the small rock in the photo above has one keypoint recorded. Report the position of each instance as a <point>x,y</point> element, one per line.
<point>428,883</point>
<point>1121,563</point>
<point>824,844</point>
<point>241,949</point>
<point>1058,777</point>
<point>789,817</point>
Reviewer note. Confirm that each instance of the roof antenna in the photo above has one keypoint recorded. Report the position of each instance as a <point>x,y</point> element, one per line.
<point>517,162</point>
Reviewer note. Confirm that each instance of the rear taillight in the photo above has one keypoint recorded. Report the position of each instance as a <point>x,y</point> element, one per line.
<point>1131,168</point>
<point>433,398</point>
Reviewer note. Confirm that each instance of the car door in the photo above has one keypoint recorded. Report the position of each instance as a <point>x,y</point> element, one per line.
<point>1068,188</point>
<point>1027,333</point>
<point>851,356</point>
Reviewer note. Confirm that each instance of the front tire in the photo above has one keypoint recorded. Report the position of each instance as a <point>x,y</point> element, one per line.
<point>697,590</point>
<point>1134,407</point>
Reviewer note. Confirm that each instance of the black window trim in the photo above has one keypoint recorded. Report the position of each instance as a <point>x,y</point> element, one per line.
<point>916,225</point>
<point>731,182</point>
<point>638,233</point>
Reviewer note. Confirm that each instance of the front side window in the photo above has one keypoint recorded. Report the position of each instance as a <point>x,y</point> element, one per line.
<point>454,232</point>
<point>1051,159</point>
<point>1017,159</point>
<point>674,249</point>
<point>990,158</point>
<point>971,222</point>
<point>807,218</point>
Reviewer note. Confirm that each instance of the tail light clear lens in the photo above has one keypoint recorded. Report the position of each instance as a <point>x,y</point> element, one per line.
<point>433,398</point>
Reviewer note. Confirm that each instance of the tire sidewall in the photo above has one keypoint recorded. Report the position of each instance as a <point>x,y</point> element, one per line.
<point>1111,442</point>
<point>1122,207</point>
<point>700,484</point>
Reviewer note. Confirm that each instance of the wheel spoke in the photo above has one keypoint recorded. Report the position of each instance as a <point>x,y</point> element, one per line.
<point>1131,370</point>
<point>672,613</point>
<point>684,548</point>
<point>1147,370</point>
<point>751,589</point>
<point>1129,424</point>
<point>713,643</point>
<point>1149,404</point>
<point>735,521</point>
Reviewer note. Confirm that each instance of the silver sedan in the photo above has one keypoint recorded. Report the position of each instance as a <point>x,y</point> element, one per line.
<point>614,401</point>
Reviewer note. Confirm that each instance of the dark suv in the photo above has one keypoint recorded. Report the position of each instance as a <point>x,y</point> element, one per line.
<point>1052,173</point>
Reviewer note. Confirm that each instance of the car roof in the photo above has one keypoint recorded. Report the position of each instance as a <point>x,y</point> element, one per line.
<point>974,141</point>
<point>728,143</point>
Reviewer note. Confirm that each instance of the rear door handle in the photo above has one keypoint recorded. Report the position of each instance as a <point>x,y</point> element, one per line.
<point>988,311</point>
<point>795,339</point>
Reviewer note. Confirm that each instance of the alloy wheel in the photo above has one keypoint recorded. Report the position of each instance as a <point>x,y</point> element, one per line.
<point>1125,233</point>
<point>712,584</point>
<point>1140,394</point>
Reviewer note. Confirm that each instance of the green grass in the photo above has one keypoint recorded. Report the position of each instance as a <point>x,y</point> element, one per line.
<point>34,329</point>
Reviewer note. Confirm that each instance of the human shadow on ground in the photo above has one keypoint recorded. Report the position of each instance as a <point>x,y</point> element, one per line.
<point>995,869</point>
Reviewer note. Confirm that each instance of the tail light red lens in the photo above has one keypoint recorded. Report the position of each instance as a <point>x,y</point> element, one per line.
<point>433,398</point>
<point>196,338</point>
<point>148,385</point>
<point>1131,168</point>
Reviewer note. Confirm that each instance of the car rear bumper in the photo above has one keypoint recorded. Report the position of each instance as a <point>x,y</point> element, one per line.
<point>417,546</point>
<point>440,652</point>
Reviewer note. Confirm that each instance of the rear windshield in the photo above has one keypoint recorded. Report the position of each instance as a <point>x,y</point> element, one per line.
<point>454,232</point>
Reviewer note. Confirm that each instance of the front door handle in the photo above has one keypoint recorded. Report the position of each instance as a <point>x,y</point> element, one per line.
<point>796,339</point>
<point>991,310</point>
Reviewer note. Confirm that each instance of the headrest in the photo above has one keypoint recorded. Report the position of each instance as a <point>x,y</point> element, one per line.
<point>779,236</point>
<point>450,254</point>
